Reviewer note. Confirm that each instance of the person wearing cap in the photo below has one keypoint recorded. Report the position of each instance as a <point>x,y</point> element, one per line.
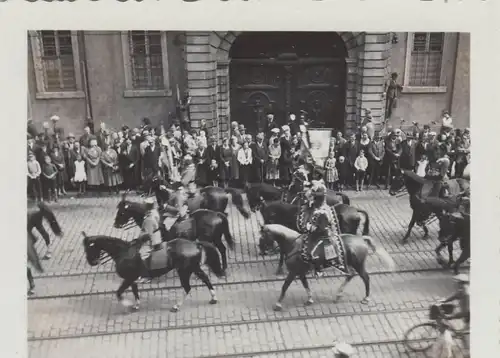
<point>260,153</point>
<point>194,199</point>
<point>86,137</point>
<point>150,227</point>
<point>408,158</point>
<point>286,160</point>
<point>150,158</point>
<point>34,172</point>
<point>293,124</point>
<point>322,245</point>
<point>462,296</point>
<point>270,124</point>
<point>350,152</point>
<point>342,350</point>
<point>274,150</point>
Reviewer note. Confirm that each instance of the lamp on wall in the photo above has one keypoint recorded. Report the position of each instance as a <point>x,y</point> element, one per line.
<point>395,38</point>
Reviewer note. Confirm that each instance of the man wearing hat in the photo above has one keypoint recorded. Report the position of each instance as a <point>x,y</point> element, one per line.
<point>368,123</point>
<point>150,227</point>
<point>240,134</point>
<point>376,153</point>
<point>260,154</point>
<point>322,246</point>
<point>342,350</point>
<point>69,155</point>
<point>270,123</point>
<point>463,298</point>
<point>392,154</point>
<point>408,152</point>
<point>286,160</point>
<point>293,124</point>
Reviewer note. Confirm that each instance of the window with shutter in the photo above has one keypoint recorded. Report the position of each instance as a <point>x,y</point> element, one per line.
<point>146,59</point>
<point>426,59</point>
<point>57,61</point>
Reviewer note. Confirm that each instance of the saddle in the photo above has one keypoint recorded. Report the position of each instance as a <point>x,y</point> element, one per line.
<point>183,228</point>
<point>158,259</point>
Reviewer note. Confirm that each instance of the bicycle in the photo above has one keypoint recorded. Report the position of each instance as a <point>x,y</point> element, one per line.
<point>441,331</point>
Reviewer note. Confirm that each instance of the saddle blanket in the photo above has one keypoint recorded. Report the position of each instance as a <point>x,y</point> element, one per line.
<point>325,251</point>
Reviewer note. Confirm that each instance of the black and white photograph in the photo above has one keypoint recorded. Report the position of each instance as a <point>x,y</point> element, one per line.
<point>248,194</point>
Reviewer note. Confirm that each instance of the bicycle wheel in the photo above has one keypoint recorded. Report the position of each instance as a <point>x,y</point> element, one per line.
<point>421,337</point>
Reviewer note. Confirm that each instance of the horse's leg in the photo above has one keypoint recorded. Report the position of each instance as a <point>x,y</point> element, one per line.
<point>463,257</point>
<point>361,270</point>
<point>31,282</point>
<point>438,250</point>
<point>410,227</point>
<point>204,278</point>
<point>309,301</point>
<point>223,252</point>
<point>288,281</point>
<point>280,264</point>
<point>46,238</point>
<point>135,290</point>
<point>119,294</point>
<point>184,275</point>
<point>451,241</point>
<point>349,277</point>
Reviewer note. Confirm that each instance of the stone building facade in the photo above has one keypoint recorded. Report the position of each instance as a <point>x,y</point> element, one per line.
<point>121,77</point>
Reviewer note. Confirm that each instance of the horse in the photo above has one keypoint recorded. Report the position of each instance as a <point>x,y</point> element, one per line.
<point>286,215</point>
<point>454,225</point>
<point>215,198</point>
<point>185,256</point>
<point>419,189</point>
<point>35,221</point>
<point>298,186</point>
<point>356,250</point>
<point>209,225</point>
<point>262,191</point>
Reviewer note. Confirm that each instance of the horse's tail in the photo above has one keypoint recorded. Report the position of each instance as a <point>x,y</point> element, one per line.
<point>381,252</point>
<point>212,258</point>
<point>226,231</point>
<point>238,201</point>
<point>366,227</point>
<point>345,198</point>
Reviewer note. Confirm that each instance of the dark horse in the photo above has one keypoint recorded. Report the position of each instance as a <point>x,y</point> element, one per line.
<point>35,220</point>
<point>286,214</point>
<point>419,189</point>
<point>454,225</point>
<point>209,226</point>
<point>185,256</point>
<point>256,192</point>
<point>215,198</point>
<point>357,250</point>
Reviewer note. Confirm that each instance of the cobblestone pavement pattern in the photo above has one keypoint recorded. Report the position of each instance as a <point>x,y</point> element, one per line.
<point>75,312</point>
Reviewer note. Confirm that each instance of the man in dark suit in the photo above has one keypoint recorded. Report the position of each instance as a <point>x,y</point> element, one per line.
<point>129,162</point>
<point>213,150</point>
<point>270,124</point>
<point>260,155</point>
<point>150,158</point>
<point>408,152</point>
<point>294,124</point>
<point>351,151</point>
<point>86,137</point>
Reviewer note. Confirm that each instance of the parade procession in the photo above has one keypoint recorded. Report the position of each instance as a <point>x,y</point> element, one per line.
<point>283,234</point>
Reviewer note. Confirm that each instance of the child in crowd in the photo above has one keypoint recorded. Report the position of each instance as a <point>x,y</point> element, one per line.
<point>49,172</point>
<point>331,173</point>
<point>213,172</point>
<point>422,166</point>
<point>80,177</point>
<point>34,172</point>
<point>361,165</point>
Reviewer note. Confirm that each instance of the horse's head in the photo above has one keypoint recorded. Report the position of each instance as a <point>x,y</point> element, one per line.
<point>51,218</point>
<point>124,213</point>
<point>397,184</point>
<point>92,250</point>
<point>266,241</point>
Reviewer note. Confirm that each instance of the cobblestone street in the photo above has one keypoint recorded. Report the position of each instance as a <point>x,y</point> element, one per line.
<point>75,313</point>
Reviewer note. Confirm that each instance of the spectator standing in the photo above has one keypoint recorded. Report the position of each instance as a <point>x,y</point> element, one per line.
<point>111,170</point>
<point>361,165</point>
<point>226,156</point>
<point>94,169</point>
<point>245,162</point>
<point>34,172</point>
<point>80,176</point>
<point>49,172</point>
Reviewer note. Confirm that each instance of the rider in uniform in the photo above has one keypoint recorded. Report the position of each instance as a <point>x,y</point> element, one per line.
<point>462,296</point>
<point>150,227</point>
<point>320,224</point>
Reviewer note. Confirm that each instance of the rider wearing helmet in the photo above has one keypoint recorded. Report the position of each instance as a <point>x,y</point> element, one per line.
<point>462,296</point>
<point>322,245</point>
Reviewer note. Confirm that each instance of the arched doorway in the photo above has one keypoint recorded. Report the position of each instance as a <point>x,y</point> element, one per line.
<point>286,72</point>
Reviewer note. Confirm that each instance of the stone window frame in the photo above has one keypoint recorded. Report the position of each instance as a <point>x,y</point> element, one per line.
<point>129,91</point>
<point>442,88</point>
<point>41,92</point>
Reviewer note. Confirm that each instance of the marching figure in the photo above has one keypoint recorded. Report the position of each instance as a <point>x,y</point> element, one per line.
<point>151,227</point>
<point>322,245</point>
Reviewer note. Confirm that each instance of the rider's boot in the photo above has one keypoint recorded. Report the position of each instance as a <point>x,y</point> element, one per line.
<point>318,268</point>
<point>145,276</point>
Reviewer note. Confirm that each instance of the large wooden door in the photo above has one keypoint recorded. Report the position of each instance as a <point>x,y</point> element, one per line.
<point>288,86</point>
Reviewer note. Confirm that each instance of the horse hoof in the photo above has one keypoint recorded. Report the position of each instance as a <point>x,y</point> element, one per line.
<point>174,309</point>
<point>338,297</point>
<point>213,301</point>
<point>126,303</point>
<point>365,300</point>
<point>309,302</point>
<point>47,256</point>
<point>278,307</point>
<point>31,292</point>
<point>135,308</point>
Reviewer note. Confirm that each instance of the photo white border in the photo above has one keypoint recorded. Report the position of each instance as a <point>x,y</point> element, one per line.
<point>475,16</point>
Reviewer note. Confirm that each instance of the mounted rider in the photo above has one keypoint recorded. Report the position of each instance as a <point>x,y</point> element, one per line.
<point>463,298</point>
<point>323,246</point>
<point>151,228</point>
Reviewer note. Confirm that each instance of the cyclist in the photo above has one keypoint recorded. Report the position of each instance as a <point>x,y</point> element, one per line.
<point>462,296</point>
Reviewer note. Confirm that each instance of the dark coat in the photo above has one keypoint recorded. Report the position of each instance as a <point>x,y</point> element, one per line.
<point>213,154</point>
<point>408,154</point>
<point>351,151</point>
<point>259,153</point>
<point>202,168</point>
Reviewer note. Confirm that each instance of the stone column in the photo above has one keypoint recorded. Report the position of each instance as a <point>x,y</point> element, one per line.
<point>201,78</point>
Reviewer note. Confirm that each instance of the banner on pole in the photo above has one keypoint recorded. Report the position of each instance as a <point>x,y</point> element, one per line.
<point>319,139</point>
